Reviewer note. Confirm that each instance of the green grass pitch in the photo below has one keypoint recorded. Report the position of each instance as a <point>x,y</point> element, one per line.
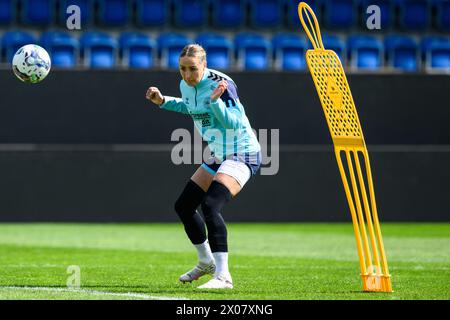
<point>267,261</point>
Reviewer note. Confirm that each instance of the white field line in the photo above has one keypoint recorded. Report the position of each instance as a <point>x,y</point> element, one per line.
<point>94,292</point>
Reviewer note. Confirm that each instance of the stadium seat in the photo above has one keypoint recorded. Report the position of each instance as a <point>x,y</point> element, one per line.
<point>438,57</point>
<point>228,13</point>
<point>218,48</point>
<point>113,12</point>
<point>62,48</point>
<point>151,12</point>
<point>12,41</point>
<point>332,42</point>
<point>291,6</point>
<point>252,51</point>
<point>86,8</point>
<point>99,49</point>
<point>442,14</point>
<point>170,45</point>
<point>387,11</point>
<point>137,50</point>
<point>426,42</point>
<point>265,13</point>
<point>37,12</point>
<point>289,51</point>
<point>402,52</point>
<point>414,14</point>
<point>365,52</point>
<point>436,51</point>
<point>190,13</point>
<point>339,13</point>
<point>7,12</point>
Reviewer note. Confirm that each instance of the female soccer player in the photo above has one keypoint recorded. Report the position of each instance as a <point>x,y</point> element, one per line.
<point>211,99</point>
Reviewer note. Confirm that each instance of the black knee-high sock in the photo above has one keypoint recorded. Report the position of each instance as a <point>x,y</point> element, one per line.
<point>213,202</point>
<point>186,206</point>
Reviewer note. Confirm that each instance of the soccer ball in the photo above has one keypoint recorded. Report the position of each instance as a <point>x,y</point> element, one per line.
<point>31,63</point>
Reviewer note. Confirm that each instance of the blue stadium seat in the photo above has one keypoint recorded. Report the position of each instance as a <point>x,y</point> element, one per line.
<point>442,14</point>
<point>265,13</point>
<point>293,20</point>
<point>7,11</point>
<point>402,52</point>
<point>37,12</point>
<point>252,51</point>
<point>170,45</point>
<point>137,50</point>
<point>86,8</point>
<point>414,14</point>
<point>438,57</point>
<point>387,8</point>
<point>190,13</point>
<point>228,13</point>
<point>436,52</point>
<point>365,52</point>
<point>152,12</point>
<point>12,41</point>
<point>339,13</point>
<point>332,42</point>
<point>99,49</point>
<point>218,49</point>
<point>62,48</point>
<point>289,51</point>
<point>114,12</point>
<point>426,42</point>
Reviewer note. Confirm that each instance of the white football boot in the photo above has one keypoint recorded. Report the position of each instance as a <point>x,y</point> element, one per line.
<point>218,282</point>
<point>197,272</point>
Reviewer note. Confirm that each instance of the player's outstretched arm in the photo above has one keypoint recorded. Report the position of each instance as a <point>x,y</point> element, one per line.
<point>165,102</point>
<point>230,118</point>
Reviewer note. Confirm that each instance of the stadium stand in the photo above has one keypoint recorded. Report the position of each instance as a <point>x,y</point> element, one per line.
<point>238,34</point>
<point>219,48</point>
<point>113,12</point>
<point>414,14</point>
<point>37,12</point>
<point>7,12</point>
<point>252,51</point>
<point>62,47</point>
<point>13,40</point>
<point>169,47</point>
<point>228,13</point>
<point>402,52</point>
<point>151,13</point>
<point>99,49</point>
<point>265,13</point>
<point>364,52</point>
<point>339,14</point>
<point>190,13</point>
<point>289,51</point>
<point>137,50</point>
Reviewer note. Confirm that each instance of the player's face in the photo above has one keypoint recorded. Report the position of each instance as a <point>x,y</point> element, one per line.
<point>191,69</point>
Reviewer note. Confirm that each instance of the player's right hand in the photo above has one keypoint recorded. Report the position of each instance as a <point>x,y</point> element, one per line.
<point>154,95</point>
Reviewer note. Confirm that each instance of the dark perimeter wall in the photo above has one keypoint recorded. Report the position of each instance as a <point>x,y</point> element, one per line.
<point>87,146</point>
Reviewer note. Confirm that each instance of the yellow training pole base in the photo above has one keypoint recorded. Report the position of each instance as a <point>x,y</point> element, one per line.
<point>374,283</point>
<point>351,155</point>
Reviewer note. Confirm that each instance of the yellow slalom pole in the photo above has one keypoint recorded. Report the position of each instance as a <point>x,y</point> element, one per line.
<point>346,132</point>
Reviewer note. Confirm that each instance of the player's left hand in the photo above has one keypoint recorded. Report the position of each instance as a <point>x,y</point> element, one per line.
<point>223,85</point>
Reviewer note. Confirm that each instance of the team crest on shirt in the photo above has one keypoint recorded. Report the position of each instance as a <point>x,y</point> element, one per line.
<point>207,102</point>
<point>187,100</point>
